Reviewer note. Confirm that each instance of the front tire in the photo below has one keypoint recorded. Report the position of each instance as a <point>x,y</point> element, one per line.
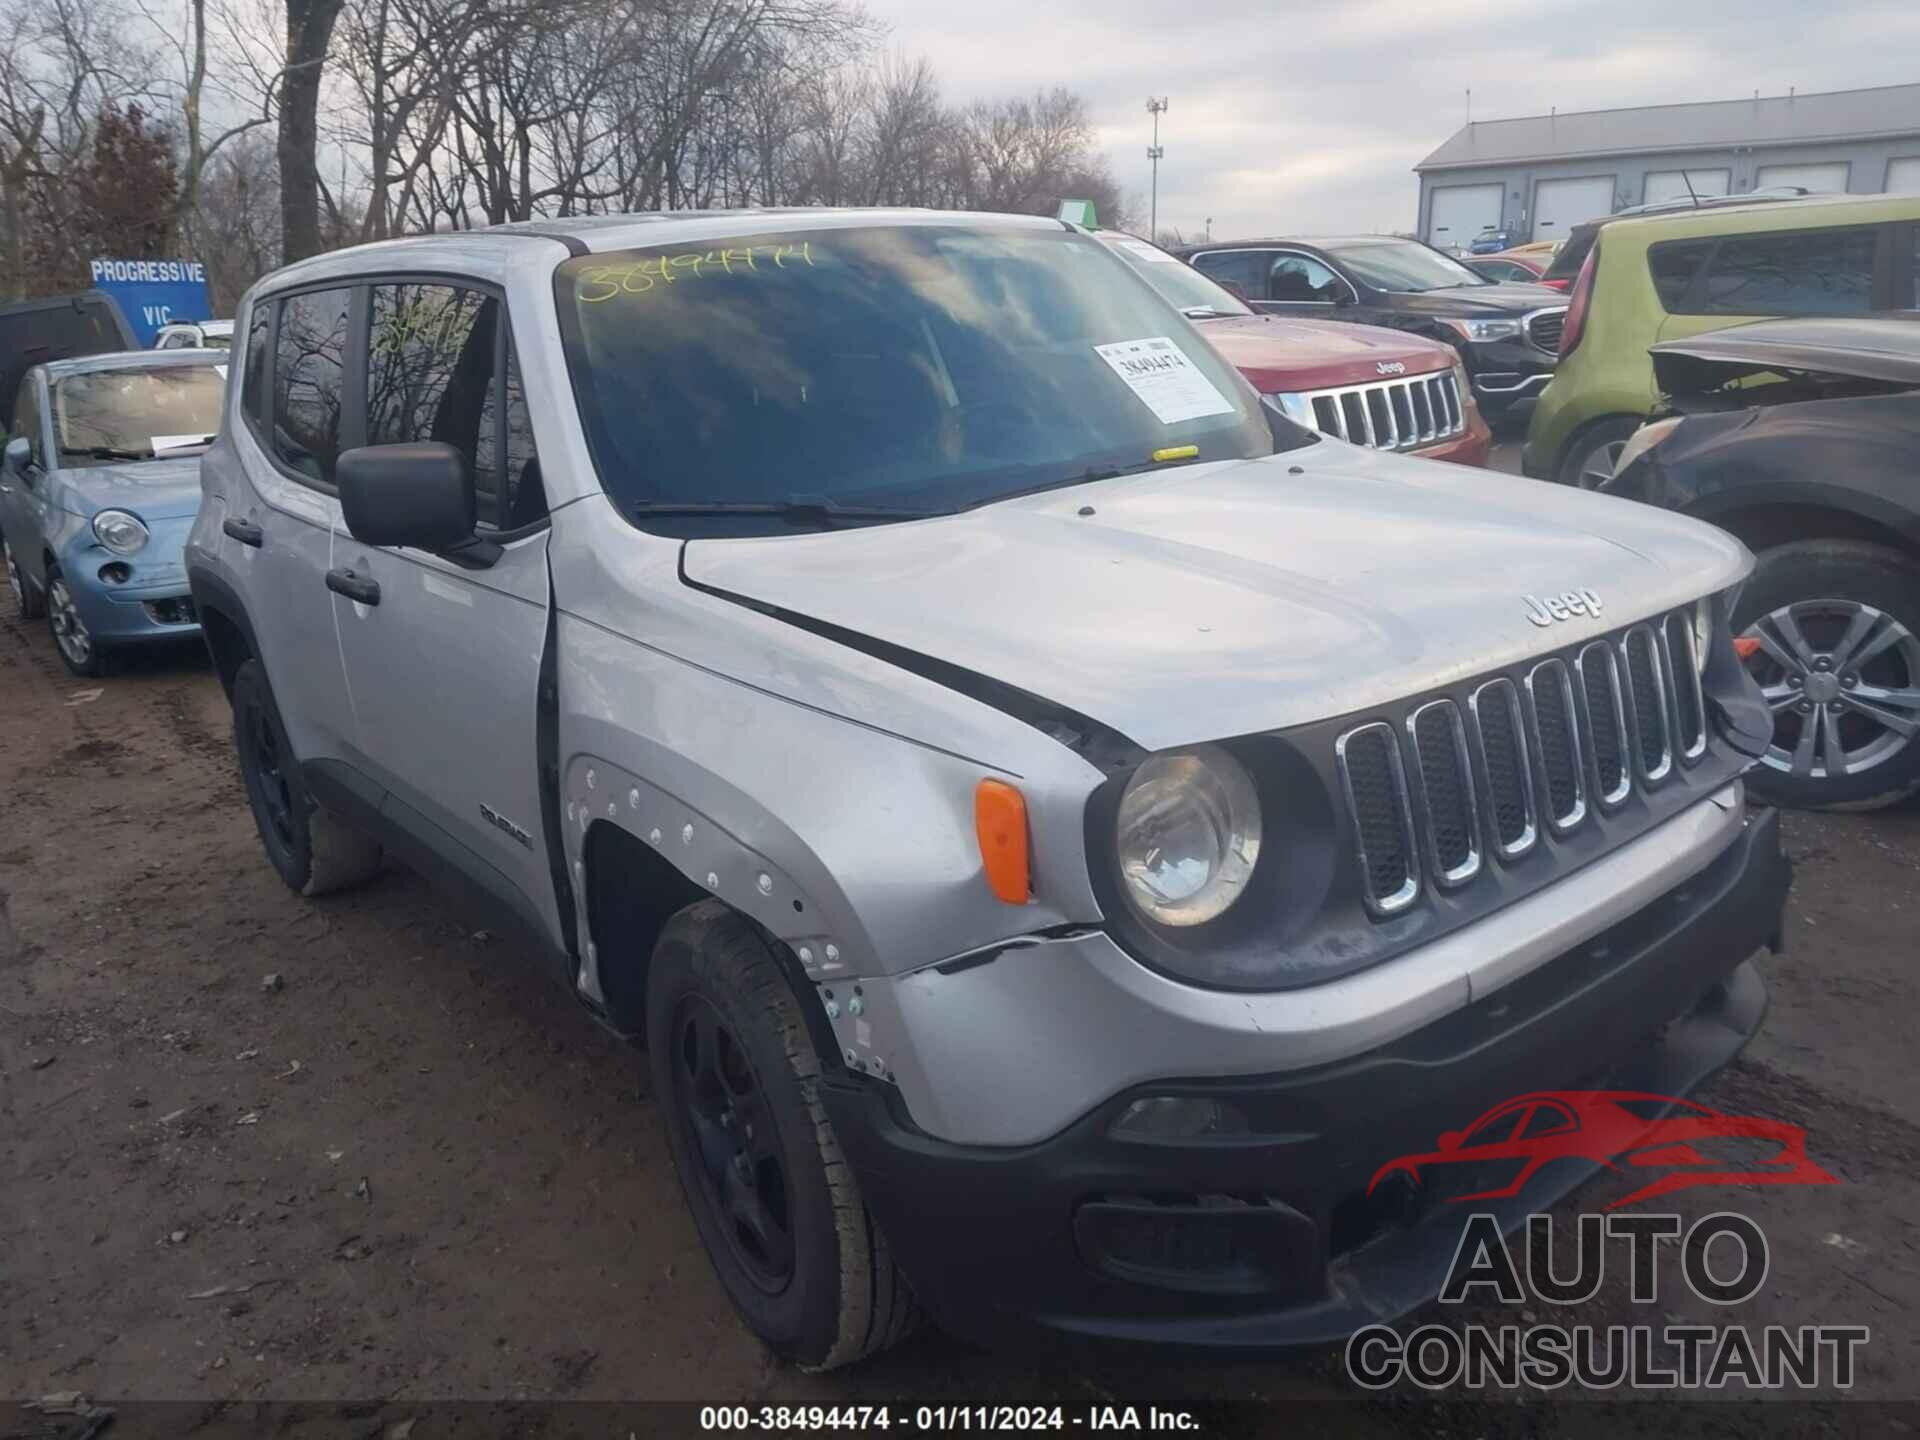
<point>79,651</point>
<point>314,850</point>
<point>1838,626</point>
<point>1589,461</point>
<point>735,1072</point>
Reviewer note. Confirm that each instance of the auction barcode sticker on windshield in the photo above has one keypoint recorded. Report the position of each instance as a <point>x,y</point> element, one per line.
<point>1158,371</point>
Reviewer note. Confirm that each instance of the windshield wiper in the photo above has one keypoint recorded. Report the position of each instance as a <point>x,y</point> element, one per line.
<point>105,452</point>
<point>799,509</point>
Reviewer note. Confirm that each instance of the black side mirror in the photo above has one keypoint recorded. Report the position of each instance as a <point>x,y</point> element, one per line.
<point>416,494</point>
<point>1342,296</point>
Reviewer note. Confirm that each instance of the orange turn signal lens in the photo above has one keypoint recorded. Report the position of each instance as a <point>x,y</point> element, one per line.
<point>1000,822</point>
<point>1746,646</point>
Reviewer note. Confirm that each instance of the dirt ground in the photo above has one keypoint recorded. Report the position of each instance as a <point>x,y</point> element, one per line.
<point>411,1171</point>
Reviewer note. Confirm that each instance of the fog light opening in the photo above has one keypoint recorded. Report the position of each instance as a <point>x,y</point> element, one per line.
<point>1175,1118</point>
<point>116,572</point>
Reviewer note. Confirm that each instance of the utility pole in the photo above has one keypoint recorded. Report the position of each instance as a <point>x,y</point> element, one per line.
<point>1155,108</point>
<point>1209,229</point>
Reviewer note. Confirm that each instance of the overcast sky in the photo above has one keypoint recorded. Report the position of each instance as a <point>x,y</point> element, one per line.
<point>1309,117</point>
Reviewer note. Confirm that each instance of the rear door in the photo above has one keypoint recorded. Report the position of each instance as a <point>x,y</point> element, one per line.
<point>444,665</point>
<point>277,534</point>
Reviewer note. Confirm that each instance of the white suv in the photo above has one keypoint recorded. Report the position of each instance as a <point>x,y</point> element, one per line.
<point>1057,825</point>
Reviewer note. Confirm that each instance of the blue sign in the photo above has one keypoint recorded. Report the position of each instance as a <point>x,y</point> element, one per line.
<point>152,293</point>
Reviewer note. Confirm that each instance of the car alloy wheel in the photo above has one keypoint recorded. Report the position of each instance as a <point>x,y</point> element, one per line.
<point>737,1160</point>
<point>69,630</point>
<point>1597,468</point>
<point>1843,682</point>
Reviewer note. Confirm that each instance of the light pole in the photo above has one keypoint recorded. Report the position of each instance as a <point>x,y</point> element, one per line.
<point>1155,108</point>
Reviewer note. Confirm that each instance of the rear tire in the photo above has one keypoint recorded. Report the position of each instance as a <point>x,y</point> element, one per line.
<point>1824,592</point>
<point>314,850</point>
<point>28,603</point>
<point>1589,460</point>
<point>780,1213</point>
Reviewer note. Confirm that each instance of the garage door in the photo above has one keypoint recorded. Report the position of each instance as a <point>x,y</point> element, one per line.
<point>1673,184</point>
<point>1461,213</point>
<point>1829,178</point>
<point>1903,176</point>
<point>1559,205</point>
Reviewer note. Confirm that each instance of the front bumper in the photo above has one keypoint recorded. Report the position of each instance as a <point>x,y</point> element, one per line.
<point>152,602</point>
<point>1505,371</point>
<point>1269,1240</point>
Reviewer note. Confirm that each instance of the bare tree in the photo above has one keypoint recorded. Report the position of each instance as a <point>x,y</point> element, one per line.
<point>309,33</point>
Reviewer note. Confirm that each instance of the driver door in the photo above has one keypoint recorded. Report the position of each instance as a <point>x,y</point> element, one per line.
<point>443,657</point>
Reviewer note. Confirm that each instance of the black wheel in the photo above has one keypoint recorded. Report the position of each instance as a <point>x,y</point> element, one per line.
<point>776,1204</point>
<point>1834,631</point>
<point>82,654</point>
<point>1589,461</point>
<point>28,603</point>
<point>314,850</point>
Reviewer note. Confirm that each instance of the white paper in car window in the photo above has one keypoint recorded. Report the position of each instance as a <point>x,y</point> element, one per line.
<point>1145,251</point>
<point>163,443</point>
<point>222,371</point>
<point>1169,384</point>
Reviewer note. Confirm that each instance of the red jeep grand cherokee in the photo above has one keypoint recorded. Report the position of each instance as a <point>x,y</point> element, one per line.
<point>1376,387</point>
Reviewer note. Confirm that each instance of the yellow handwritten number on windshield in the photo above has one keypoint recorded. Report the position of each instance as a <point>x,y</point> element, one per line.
<point>638,277</point>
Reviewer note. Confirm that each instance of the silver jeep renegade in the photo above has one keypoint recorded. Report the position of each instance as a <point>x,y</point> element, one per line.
<point>1058,827</point>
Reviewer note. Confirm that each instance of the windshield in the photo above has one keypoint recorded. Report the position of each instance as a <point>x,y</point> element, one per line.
<point>1402,267</point>
<point>910,368</point>
<point>1179,284</point>
<point>134,414</point>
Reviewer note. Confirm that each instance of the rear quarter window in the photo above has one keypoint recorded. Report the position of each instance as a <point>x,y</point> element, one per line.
<point>1673,267</point>
<point>1790,272</point>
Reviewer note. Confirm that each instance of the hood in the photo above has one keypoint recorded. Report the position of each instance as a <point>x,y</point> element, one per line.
<point>1474,300</point>
<point>1886,350</point>
<point>151,489</point>
<point>1209,601</point>
<point>1277,353</point>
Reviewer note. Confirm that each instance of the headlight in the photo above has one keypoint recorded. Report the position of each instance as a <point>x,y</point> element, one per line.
<point>1644,439</point>
<point>1188,835</point>
<point>1486,329</point>
<point>120,532</point>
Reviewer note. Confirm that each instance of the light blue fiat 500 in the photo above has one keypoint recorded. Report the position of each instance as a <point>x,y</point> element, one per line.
<point>99,485</point>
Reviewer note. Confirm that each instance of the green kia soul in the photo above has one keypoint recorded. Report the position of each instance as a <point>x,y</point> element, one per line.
<point>1668,276</point>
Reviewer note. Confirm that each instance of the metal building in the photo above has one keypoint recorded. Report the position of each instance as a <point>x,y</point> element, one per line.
<point>1538,176</point>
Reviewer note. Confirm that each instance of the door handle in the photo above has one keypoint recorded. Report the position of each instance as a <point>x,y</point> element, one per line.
<point>357,588</point>
<point>245,531</point>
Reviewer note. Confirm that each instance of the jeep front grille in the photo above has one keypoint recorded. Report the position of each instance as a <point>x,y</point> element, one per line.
<point>1392,414</point>
<point>1518,760</point>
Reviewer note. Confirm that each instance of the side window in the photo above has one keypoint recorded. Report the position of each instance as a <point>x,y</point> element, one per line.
<point>1546,1120</point>
<point>1496,1131</point>
<point>434,373</point>
<point>253,383</point>
<point>1239,271</point>
<point>308,374</point>
<point>1297,278</point>
<point>26,417</point>
<point>1805,272</point>
<point>1673,267</point>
